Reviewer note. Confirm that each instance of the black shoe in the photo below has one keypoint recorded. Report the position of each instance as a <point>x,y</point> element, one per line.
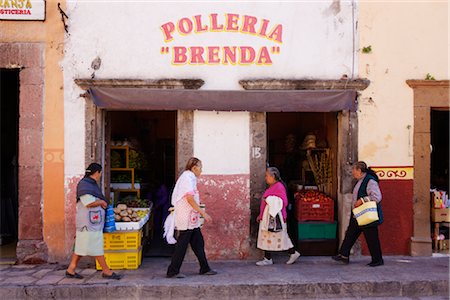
<point>112,276</point>
<point>210,272</point>
<point>179,275</point>
<point>341,259</point>
<point>376,263</point>
<point>74,275</point>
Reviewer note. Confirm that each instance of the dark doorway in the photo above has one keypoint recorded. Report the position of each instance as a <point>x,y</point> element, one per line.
<point>440,178</point>
<point>9,107</point>
<point>291,138</point>
<point>151,140</point>
<point>440,145</point>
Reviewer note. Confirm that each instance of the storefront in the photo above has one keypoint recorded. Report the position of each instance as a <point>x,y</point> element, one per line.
<point>240,87</point>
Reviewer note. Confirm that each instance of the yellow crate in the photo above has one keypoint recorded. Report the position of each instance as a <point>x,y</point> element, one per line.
<point>118,260</point>
<point>126,240</point>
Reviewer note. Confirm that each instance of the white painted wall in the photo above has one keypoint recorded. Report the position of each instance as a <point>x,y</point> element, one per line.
<point>408,39</point>
<point>221,141</point>
<point>318,40</point>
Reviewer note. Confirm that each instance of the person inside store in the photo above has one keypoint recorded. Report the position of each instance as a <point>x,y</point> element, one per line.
<point>186,202</point>
<point>90,219</point>
<point>366,186</point>
<point>273,235</point>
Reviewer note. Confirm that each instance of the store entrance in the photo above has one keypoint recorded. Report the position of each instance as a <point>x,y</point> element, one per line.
<point>142,156</point>
<point>9,107</point>
<point>440,179</point>
<point>303,146</point>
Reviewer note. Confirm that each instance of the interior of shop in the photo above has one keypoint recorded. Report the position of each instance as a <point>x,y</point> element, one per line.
<point>9,107</point>
<point>142,170</point>
<point>303,146</point>
<point>440,206</point>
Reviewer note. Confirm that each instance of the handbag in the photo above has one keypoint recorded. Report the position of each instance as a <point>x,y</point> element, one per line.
<point>366,213</point>
<point>275,224</point>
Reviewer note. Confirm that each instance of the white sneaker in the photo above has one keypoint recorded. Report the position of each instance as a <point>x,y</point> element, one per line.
<point>265,262</point>
<point>293,258</point>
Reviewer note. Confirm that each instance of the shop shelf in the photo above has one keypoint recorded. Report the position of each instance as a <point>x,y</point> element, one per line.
<point>117,260</point>
<point>122,240</point>
<point>317,230</point>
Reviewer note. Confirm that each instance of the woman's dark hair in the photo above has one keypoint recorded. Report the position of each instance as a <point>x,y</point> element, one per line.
<point>192,162</point>
<point>361,165</point>
<point>92,169</point>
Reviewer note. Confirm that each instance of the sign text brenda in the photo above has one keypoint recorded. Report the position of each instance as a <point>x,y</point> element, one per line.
<point>22,10</point>
<point>222,54</point>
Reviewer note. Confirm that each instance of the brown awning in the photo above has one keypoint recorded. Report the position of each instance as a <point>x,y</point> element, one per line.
<point>121,98</point>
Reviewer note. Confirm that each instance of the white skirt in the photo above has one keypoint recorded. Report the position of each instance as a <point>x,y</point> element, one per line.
<point>273,241</point>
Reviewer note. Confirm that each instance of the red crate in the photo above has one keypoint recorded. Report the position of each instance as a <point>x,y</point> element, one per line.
<point>315,210</point>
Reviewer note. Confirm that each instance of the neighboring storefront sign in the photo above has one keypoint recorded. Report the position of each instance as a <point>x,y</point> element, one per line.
<point>22,10</point>
<point>227,55</point>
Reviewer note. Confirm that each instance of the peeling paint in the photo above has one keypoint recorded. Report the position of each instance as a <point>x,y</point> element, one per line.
<point>70,211</point>
<point>227,200</point>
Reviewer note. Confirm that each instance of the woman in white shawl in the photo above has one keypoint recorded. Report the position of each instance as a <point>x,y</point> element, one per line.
<point>187,212</point>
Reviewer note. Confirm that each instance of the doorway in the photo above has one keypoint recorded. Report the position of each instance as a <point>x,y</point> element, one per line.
<point>143,168</point>
<point>9,108</point>
<point>296,141</point>
<point>440,178</point>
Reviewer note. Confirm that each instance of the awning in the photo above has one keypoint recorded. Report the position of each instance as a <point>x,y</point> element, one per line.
<point>122,98</point>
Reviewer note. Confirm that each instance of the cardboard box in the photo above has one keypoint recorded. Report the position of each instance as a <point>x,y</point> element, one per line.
<point>440,215</point>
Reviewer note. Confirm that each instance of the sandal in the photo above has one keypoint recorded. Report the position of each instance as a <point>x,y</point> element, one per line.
<point>112,276</point>
<point>74,275</point>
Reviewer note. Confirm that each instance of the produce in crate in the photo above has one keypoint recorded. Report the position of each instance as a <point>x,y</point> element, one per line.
<point>122,213</point>
<point>312,196</point>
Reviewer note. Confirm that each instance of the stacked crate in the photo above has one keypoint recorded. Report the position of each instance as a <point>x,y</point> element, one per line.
<point>123,249</point>
<point>317,229</point>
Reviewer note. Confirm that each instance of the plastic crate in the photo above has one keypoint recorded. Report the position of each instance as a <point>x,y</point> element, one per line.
<point>118,260</point>
<point>317,230</point>
<point>315,211</point>
<point>122,240</point>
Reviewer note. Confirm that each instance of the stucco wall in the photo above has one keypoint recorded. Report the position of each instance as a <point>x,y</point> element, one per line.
<point>129,47</point>
<point>46,80</point>
<point>317,42</point>
<point>409,40</point>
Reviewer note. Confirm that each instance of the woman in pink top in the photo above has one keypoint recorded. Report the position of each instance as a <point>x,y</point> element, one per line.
<point>274,202</point>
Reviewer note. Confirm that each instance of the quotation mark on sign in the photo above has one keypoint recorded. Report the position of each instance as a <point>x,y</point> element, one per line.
<point>275,50</point>
<point>164,50</point>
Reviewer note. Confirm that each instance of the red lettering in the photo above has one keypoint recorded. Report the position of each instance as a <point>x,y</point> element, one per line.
<point>248,25</point>
<point>247,55</point>
<point>277,34</point>
<point>198,24</point>
<point>214,24</point>
<point>197,55</point>
<point>167,30</point>
<point>185,26</point>
<point>229,55</point>
<point>264,57</point>
<point>213,55</point>
<point>232,22</point>
<point>179,55</point>
<point>264,25</point>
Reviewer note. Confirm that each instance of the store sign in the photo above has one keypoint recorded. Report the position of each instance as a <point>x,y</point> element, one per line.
<point>174,32</point>
<point>22,10</point>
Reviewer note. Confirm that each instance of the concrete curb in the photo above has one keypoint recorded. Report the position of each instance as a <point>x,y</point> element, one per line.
<point>230,291</point>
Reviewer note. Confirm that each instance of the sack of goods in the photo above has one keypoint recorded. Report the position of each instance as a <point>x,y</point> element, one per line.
<point>366,213</point>
<point>110,222</point>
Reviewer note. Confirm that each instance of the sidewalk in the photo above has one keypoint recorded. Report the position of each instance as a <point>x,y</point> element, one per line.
<point>311,277</point>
